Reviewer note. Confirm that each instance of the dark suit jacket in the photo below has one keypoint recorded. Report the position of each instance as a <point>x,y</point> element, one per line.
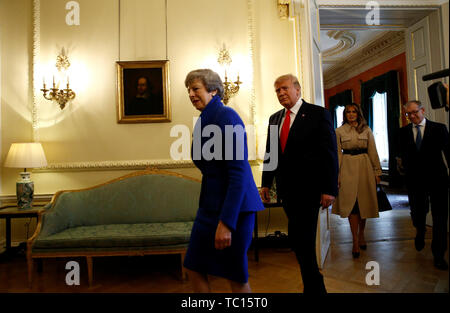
<point>228,187</point>
<point>426,164</point>
<point>309,165</point>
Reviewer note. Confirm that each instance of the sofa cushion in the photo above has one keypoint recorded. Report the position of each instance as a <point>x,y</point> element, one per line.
<point>118,235</point>
<point>150,198</point>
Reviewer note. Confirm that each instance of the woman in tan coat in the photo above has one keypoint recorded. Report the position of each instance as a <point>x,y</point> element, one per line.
<point>359,173</point>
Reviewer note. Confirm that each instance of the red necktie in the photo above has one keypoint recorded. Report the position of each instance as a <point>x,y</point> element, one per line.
<point>285,130</point>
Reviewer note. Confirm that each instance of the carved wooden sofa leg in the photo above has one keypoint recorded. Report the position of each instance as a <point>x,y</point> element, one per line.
<point>30,270</point>
<point>183,269</point>
<point>89,268</point>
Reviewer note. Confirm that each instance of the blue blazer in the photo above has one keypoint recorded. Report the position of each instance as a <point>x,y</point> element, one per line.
<point>228,187</point>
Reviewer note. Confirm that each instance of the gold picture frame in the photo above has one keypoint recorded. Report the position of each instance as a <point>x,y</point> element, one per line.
<point>143,92</point>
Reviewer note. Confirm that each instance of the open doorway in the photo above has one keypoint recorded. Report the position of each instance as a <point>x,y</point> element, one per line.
<point>380,128</point>
<point>371,62</point>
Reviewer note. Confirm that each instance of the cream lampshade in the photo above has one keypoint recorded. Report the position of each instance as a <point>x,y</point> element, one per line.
<point>25,155</point>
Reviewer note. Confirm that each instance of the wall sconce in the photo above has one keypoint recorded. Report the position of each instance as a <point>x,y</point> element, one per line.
<point>230,88</point>
<point>61,96</point>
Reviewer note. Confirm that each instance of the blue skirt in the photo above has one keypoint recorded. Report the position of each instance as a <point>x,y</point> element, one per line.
<point>230,263</point>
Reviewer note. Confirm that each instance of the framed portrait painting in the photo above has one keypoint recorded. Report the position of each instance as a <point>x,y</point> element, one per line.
<point>143,92</point>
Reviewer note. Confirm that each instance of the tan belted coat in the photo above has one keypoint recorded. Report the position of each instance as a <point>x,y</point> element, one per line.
<point>357,173</point>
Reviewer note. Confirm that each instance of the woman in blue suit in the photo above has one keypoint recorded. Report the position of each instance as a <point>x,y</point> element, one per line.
<point>223,228</point>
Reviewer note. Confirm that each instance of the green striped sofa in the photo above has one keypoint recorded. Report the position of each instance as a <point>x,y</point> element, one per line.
<point>146,212</point>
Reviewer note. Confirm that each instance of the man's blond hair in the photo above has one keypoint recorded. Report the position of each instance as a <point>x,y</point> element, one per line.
<point>290,77</point>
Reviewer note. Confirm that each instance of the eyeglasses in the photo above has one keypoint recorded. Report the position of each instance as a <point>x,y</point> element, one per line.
<point>412,113</point>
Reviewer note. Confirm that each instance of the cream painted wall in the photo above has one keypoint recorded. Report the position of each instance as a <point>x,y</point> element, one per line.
<point>274,56</point>
<point>138,19</point>
<point>15,25</point>
<point>86,131</point>
<point>445,27</point>
<point>262,47</point>
<point>15,113</point>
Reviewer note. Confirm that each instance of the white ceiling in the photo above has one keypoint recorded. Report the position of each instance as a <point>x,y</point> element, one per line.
<point>358,34</point>
<point>362,38</point>
<point>390,18</point>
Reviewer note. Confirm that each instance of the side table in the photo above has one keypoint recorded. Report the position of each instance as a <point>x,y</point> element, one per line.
<point>255,231</point>
<point>9,212</point>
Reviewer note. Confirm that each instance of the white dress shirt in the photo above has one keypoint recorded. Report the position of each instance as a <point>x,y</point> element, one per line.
<point>294,111</point>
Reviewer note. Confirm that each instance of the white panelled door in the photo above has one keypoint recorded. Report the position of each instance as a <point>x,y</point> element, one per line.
<point>418,62</point>
<point>323,223</point>
<point>418,56</point>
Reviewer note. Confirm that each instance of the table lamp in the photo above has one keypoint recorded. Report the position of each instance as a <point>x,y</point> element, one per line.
<point>25,155</point>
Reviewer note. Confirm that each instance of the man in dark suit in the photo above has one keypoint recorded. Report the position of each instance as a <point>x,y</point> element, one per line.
<point>306,174</point>
<point>422,143</point>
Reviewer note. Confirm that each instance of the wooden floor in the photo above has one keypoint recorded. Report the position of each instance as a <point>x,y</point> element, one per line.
<point>390,240</point>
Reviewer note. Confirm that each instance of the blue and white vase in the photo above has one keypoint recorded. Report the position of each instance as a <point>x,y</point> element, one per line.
<point>24,191</point>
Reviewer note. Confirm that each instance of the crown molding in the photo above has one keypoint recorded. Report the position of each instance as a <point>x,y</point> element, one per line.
<point>376,52</point>
<point>36,55</point>
<point>251,39</point>
<point>119,165</point>
<point>346,41</point>
<point>114,165</point>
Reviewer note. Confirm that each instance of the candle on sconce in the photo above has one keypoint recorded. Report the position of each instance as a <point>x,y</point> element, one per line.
<point>61,96</point>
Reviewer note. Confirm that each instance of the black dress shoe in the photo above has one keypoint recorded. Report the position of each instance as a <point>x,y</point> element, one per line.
<point>363,247</point>
<point>355,255</point>
<point>419,241</point>
<point>441,264</point>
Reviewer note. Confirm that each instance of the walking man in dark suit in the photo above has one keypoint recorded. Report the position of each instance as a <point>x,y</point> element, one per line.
<point>306,174</point>
<point>422,143</point>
